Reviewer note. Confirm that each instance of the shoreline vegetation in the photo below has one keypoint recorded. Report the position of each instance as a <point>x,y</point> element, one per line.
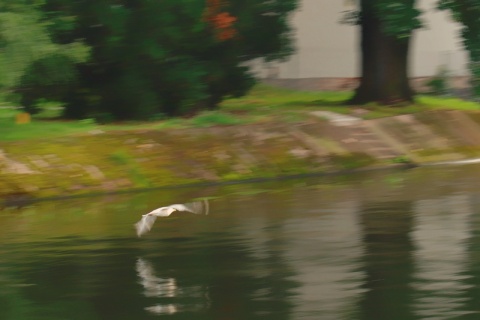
<point>269,133</point>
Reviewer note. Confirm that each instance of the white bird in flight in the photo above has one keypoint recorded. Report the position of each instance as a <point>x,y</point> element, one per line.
<point>147,221</point>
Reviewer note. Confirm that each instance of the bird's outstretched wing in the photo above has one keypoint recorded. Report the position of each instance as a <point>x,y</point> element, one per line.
<point>197,207</point>
<point>145,224</point>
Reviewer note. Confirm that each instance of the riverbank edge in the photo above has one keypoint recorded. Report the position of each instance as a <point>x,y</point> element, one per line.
<point>22,199</point>
<point>136,160</point>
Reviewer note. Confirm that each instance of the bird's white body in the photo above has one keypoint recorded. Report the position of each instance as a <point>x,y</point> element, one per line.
<point>166,211</point>
<point>147,221</point>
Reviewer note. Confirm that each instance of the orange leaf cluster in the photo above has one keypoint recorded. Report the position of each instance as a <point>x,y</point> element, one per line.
<point>221,21</point>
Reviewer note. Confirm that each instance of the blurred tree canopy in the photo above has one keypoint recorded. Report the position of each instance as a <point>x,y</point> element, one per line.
<point>25,40</point>
<point>134,59</point>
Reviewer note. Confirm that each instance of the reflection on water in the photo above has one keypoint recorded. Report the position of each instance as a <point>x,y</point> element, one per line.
<point>442,233</point>
<point>401,245</point>
<point>154,286</point>
<point>387,260</point>
<point>164,288</point>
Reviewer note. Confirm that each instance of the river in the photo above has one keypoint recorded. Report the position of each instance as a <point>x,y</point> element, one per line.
<point>373,245</point>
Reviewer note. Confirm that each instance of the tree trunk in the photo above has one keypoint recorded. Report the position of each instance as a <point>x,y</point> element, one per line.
<point>384,63</point>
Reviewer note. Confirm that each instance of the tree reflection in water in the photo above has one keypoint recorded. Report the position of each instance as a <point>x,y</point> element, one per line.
<point>388,260</point>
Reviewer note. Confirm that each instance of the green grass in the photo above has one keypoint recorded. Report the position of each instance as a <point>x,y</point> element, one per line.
<point>39,127</point>
<point>422,103</point>
<point>263,104</point>
<point>433,102</point>
<point>214,118</point>
<point>9,131</point>
<point>124,159</point>
<point>265,101</point>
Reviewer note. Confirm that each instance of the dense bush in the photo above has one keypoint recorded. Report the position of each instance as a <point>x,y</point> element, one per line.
<point>172,57</point>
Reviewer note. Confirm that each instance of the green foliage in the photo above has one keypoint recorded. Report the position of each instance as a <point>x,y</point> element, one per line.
<point>158,116</point>
<point>475,74</point>
<point>214,118</point>
<point>467,12</point>
<point>46,78</point>
<point>439,83</point>
<point>149,57</point>
<point>399,17</point>
<point>28,56</point>
<point>403,159</point>
<point>103,117</point>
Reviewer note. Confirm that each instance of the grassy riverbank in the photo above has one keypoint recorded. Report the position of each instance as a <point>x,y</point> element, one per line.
<point>263,104</point>
<point>268,133</point>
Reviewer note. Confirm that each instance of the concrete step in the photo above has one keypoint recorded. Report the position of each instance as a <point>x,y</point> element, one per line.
<point>311,143</point>
<point>371,143</point>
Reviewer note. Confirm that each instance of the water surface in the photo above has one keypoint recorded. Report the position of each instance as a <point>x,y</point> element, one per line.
<point>384,245</point>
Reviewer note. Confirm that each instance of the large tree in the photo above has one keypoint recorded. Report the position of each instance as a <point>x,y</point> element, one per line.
<point>386,30</point>
<point>169,57</point>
